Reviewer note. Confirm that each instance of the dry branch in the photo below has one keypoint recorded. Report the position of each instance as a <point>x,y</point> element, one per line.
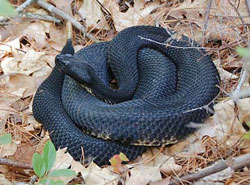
<point>27,3</point>
<point>12,163</point>
<point>67,17</point>
<point>234,163</point>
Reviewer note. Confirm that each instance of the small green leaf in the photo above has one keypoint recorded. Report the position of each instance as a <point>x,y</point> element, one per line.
<point>38,165</point>
<point>6,9</point>
<point>6,138</point>
<point>242,51</point>
<point>62,172</point>
<point>44,181</point>
<point>57,183</point>
<point>123,157</point>
<point>49,155</point>
<point>247,135</point>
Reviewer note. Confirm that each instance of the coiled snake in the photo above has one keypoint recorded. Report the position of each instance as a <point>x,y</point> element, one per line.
<point>162,88</point>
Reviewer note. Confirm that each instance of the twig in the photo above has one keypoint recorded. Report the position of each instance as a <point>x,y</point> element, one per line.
<point>42,17</point>
<point>248,6</point>
<point>107,16</point>
<point>236,10</point>
<point>206,19</point>
<point>235,163</point>
<point>67,17</point>
<point>236,94</point>
<point>12,163</point>
<point>20,8</point>
<point>33,180</point>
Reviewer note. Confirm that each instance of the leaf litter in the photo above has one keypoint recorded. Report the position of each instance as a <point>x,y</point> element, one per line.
<point>27,57</point>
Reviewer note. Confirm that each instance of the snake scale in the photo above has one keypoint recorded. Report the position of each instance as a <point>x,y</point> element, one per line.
<point>164,88</point>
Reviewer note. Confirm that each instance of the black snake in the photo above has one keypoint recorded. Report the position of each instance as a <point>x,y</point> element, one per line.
<point>165,87</point>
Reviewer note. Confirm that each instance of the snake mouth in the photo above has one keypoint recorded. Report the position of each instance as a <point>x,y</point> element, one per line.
<point>63,61</point>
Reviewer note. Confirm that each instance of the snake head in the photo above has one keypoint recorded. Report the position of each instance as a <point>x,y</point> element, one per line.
<point>73,67</point>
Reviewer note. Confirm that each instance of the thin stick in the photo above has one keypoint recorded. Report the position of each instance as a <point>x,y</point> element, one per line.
<point>248,6</point>
<point>235,95</point>
<point>235,163</point>
<point>67,17</point>
<point>42,17</point>
<point>20,8</point>
<point>27,3</point>
<point>12,163</point>
<point>206,19</point>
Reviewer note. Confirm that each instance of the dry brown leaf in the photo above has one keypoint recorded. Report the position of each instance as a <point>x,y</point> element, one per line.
<point>29,63</point>
<point>91,13</point>
<point>21,82</point>
<point>6,101</point>
<point>4,181</point>
<point>57,37</point>
<point>158,159</point>
<point>224,75</point>
<point>8,47</point>
<point>24,153</point>
<point>225,122</point>
<point>37,32</point>
<point>134,16</point>
<point>63,5</point>
<point>4,169</point>
<point>222,17</point>
<point>143,175</point>
<point>77,166</point>
<point>93,175</point>
<point>8,149</point>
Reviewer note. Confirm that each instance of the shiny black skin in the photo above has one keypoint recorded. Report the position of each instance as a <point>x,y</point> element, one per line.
<point>161,90</point>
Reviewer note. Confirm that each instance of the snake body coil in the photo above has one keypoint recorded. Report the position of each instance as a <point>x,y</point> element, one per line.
<point>161,90</point>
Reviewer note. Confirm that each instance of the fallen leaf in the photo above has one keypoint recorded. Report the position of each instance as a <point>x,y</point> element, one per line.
<point>6,100</point>
<point>57,42</point>
<point>224,75</point>
<point>77,166</point>
<point>36,33</point>
<point>4,181</point>
<point>21,85</point>
<point>63,159</point>
<point>63,5</point>
<point>135,15</point>
<point>8,149</point>
<point>9,46</point>
<point>95,175</point>
<point>24,153</point>
<point>158,159</point>
<point>218,25</point>
<point>29,63</point>
<point>143,175</point>
<point>91,13</point>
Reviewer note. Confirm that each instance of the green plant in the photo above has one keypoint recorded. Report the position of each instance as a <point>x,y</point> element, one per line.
<point>244,52</point>
<point>6,9</point>
<point>42,165</point>
<point>5,139</point>
<point>247,135</point>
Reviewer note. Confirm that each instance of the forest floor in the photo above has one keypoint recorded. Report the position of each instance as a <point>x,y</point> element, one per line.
<point>218,153</point>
